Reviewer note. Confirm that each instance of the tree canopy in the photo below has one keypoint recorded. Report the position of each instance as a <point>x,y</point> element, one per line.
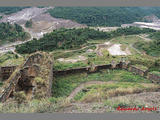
<point>12,33</point>
<point>73,38</point>
<point>104,16</point>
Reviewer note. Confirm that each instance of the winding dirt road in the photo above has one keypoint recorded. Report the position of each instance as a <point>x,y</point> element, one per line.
<point>83,85</point>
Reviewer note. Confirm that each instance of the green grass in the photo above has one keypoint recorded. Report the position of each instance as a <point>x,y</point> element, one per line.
<point>123,102</point>
<point>62,54</point>
<point>141,67</point>
<point>10,59</point>
<point>127,40</point>
<point>156,73</point>
<point>94,93</point>
<point>64,85</point>
<point>144,60</point>
<point>64,66</point>
<point>103,88</point>
<point>34,106</point>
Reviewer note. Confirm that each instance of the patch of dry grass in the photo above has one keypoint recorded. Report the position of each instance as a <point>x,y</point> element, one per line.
<point>98,93</point>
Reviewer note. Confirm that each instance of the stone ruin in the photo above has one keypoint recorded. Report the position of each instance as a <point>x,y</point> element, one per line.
<point>33,78</point>
<point>138,70</point>
<point>154,78</point>
<point>5,72</point>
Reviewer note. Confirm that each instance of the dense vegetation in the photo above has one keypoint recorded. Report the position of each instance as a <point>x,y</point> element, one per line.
<point>73,38</point>
<point>104,16</point>
<point>11,33</point>
<point>10,10</point>
<point>151,48</point>
<point>10,59</point>
<point>64,85</point>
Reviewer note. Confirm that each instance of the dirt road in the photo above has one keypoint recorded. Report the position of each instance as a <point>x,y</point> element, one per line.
<point>83,85</point>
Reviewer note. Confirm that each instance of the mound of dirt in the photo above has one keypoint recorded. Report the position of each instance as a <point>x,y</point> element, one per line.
<point>71,60</point>
<point>116,50</point>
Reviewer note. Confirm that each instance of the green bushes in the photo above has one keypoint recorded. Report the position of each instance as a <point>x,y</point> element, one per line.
<point>73,38</point>
<point>151,48</point>
<point>64,85</point>
<point>34,106</point>
<point>63,66</point>
<point>20,97</point>
<point>12,33</point>
<point>10,10</point>
<point>103,16</point>
<point>141,67</point>
<point>61,39</point>
<point>142,60</point>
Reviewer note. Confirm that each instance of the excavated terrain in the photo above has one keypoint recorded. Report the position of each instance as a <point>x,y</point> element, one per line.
<point>42,21</point>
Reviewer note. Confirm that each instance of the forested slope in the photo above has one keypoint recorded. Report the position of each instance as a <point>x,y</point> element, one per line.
<point>73,38</point>
<point>10,10</point>
<point>12,33</point>
<point>104,16</point>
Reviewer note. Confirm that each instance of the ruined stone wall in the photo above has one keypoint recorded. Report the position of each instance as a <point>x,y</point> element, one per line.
<point>33,77</point>
<point>137,71</point>
<point>5,72</point>
<point>120,65</point>
<point>154,78</point>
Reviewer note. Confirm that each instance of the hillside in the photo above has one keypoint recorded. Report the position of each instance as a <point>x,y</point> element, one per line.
<point>73,38</point>
<point>151,48</point>
<point>104,16</point>
<point>69,67</point>
<point>10,10</point>
<point>12,33</point>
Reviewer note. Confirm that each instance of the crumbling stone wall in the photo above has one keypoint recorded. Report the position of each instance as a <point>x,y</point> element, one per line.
<point>120,65</point>
<point>138,71</point>
<point>154,78</point>
<point>5,72</point>
<point>34,77</point>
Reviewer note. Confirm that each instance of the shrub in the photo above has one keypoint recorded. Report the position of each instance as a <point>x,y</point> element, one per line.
<point>20,96</point>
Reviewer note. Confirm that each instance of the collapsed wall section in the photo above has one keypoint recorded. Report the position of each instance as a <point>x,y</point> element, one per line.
<point>33,78</point>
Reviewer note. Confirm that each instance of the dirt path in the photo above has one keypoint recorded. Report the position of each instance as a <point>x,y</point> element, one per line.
<point>131,46</point>
<point>116,50</point>
<point>144,38</point>
<point>149,99</point>
<point>83,85</point>
<point>16,53</point>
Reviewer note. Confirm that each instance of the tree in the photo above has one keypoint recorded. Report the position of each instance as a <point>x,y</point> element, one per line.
<point>28,24</point>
